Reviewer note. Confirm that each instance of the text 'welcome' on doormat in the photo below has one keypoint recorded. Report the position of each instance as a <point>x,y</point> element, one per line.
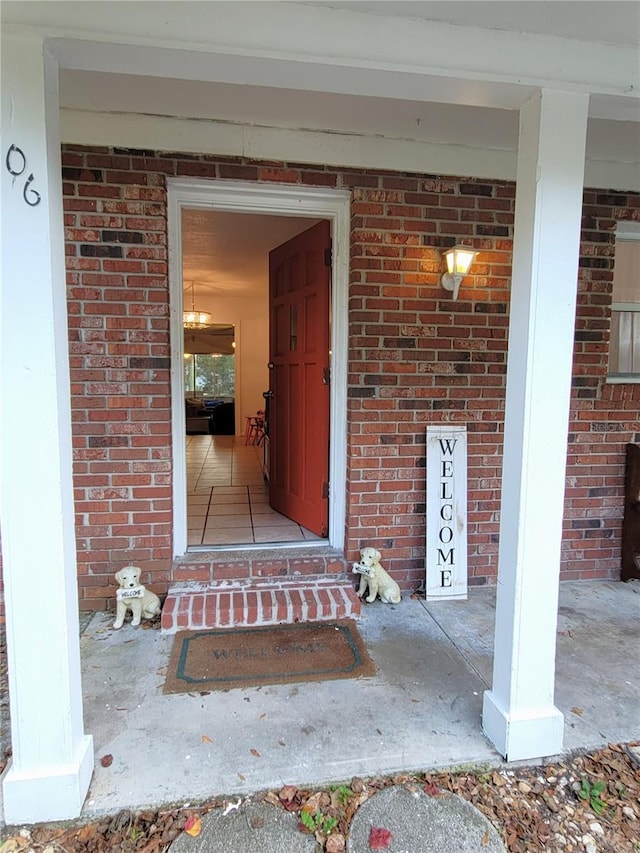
<point>275,654</point>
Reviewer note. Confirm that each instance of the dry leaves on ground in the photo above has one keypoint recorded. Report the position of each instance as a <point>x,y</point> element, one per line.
<point>535,809</point>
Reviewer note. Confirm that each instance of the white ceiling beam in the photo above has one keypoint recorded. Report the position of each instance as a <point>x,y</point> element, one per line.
<point>315,147</point>
<point>322,49</point>
<point>313,76</point>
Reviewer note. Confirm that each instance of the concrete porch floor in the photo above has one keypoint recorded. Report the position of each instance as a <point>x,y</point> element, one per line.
<point>420,711</point>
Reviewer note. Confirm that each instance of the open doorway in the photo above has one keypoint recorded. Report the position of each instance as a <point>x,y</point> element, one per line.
<point>228,501</point>
<point>221,238</point>
<point>256,404</point>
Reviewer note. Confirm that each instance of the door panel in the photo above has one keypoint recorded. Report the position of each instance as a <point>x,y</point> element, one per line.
<point>299,286</point>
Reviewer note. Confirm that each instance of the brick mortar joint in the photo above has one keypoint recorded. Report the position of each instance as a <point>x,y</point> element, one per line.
<point>268,585</point>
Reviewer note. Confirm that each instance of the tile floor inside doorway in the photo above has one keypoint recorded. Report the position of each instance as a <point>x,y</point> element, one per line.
<point>228,498</point>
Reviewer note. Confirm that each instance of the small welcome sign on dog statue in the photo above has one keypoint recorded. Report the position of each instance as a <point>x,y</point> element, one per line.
<point>446,556</point>
<point>133,596</point>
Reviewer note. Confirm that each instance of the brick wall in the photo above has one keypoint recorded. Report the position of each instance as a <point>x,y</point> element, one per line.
<point>415,358</point>
<point>604,417</point>
<point>116,256</point>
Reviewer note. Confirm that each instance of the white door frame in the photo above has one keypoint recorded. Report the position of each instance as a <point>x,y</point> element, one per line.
<point>279,200</point>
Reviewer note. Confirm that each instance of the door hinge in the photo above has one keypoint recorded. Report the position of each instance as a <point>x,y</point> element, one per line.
<point>325,491</point>
<point>328,256</point>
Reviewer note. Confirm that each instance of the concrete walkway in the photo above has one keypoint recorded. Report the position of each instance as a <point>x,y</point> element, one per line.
<point>421,710</point>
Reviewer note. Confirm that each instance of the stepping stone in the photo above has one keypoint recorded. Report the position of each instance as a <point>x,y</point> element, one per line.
<point>253,828</point>
<point>440,824</point>
<point>634,754</point>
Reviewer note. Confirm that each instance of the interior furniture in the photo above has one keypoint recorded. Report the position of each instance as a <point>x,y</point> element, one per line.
<point>254,428</point>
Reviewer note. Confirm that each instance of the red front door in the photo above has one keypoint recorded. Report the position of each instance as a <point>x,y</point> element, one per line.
<point>299,290</point>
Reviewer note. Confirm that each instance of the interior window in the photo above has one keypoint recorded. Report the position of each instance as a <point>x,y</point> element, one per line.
<point>624,349</point>
<point>209,375</point>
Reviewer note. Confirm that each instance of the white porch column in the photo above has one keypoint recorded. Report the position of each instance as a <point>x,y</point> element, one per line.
<point>52,761</point>
<point>518,714</point>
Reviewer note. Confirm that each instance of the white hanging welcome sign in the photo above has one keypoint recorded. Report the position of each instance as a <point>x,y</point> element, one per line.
<point>446,557</point>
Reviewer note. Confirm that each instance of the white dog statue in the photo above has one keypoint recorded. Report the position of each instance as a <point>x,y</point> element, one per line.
<point>375,578</point>
<point>133,596</point>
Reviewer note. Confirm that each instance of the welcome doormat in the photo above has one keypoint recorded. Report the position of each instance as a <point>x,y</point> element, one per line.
<point>274,654</point>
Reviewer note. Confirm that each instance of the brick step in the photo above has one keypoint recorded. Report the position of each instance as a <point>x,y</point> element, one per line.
<point>199,606</point>
<point>255,565</point>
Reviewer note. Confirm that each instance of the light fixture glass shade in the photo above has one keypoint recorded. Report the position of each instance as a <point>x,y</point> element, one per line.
<point>459,259</point>
<point>194,319</point>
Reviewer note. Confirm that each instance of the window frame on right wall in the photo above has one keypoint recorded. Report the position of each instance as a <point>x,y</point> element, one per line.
<point>624,341</point>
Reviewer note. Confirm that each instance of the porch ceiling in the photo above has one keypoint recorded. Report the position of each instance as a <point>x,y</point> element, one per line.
<point>405,85</point>
<point>450,75</point>
<point>470,126</point>
<point>286,107</point>
<point>482,54</point>
<point>375,71</point>
<point>614,22</point>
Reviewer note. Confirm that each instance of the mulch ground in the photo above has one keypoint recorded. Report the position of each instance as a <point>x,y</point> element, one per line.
<point>589,802</point>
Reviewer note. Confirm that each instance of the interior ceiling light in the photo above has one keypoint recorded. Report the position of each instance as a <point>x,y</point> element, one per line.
<point>194,319</point>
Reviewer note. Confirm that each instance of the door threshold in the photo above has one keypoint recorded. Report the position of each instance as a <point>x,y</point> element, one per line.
<point>259,546</point>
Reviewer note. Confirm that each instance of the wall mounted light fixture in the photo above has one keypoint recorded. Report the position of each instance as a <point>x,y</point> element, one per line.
<point>459,259</point>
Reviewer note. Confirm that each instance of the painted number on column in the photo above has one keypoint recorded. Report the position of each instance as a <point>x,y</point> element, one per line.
<point>16,164</point>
